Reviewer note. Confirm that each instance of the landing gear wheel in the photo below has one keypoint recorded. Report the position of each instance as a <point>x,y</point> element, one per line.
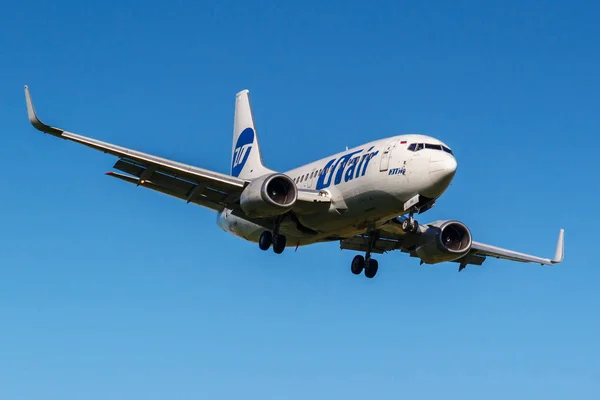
<point>410,225</point>
<point>371,267</point>
<point>406,225</point>
<point>358,264</point>
<point>266,238</point>
<point>279,244</point>
<point>415,226</point>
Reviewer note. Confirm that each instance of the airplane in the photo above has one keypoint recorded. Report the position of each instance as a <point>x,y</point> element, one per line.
<point>365,198</point>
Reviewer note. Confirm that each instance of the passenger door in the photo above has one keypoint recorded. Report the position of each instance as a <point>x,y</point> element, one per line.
<point>385,157</point>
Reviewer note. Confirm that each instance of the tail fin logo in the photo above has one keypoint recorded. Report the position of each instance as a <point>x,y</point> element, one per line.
<point>242,151</point>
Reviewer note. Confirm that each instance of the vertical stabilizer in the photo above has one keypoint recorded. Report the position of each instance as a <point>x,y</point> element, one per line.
<point>246,160</point>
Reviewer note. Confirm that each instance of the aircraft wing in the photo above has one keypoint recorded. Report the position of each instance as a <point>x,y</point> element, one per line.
<point>486,250</point>
<point>197,185</point>
<point>207,188</point>
<point>390,237</point>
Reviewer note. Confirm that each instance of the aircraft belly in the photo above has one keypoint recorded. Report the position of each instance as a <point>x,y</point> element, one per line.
<point>363,210</point>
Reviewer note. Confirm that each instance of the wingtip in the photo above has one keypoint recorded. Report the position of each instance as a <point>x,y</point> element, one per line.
<point>33,118</point>
<point>35,121</point>
<point>30,110</point>
<point>559,255</point>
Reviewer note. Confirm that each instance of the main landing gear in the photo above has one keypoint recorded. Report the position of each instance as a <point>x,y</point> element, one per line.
<point>410,224</point>
<point>276,239</point>
<point>368,264</point>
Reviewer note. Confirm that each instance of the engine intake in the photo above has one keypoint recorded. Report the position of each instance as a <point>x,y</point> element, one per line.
<point>269,196</point>
<point>448,241</point>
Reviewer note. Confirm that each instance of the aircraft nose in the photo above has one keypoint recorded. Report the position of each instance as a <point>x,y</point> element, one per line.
<point>442,168</point>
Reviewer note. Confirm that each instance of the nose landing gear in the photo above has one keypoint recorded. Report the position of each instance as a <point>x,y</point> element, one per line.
<point>410,225</point>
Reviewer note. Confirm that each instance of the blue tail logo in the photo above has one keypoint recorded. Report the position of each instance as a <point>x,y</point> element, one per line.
<point>242,151</point>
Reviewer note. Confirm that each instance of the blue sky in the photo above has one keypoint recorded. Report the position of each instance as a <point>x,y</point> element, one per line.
<point>112,291</point>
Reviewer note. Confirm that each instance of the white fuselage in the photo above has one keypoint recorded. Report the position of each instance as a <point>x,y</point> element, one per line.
<point>368,185</point>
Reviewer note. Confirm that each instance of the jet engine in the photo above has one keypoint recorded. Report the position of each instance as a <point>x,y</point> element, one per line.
<point>269,195</point>
<point>444,241</point>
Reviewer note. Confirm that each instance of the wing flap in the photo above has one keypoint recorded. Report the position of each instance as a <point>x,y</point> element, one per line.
<point>361,243</point>
<point>170,189</point>
<point>129,168</point>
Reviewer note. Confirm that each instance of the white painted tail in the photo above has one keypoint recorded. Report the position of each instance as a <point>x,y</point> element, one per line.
<point>246,160</point>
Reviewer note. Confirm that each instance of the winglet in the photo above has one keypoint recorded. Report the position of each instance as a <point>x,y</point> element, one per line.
<point>559,256</point>
<point>35,121</point>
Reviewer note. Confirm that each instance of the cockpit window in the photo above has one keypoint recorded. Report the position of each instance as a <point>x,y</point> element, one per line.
<point>421,146</point>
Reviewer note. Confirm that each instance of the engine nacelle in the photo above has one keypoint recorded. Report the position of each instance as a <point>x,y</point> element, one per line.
<point>269,195</point>
<point>444,241</point>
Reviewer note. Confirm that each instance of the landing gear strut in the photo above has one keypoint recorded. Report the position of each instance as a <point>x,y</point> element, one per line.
<point>368,264</point>
<point>276,239</point>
